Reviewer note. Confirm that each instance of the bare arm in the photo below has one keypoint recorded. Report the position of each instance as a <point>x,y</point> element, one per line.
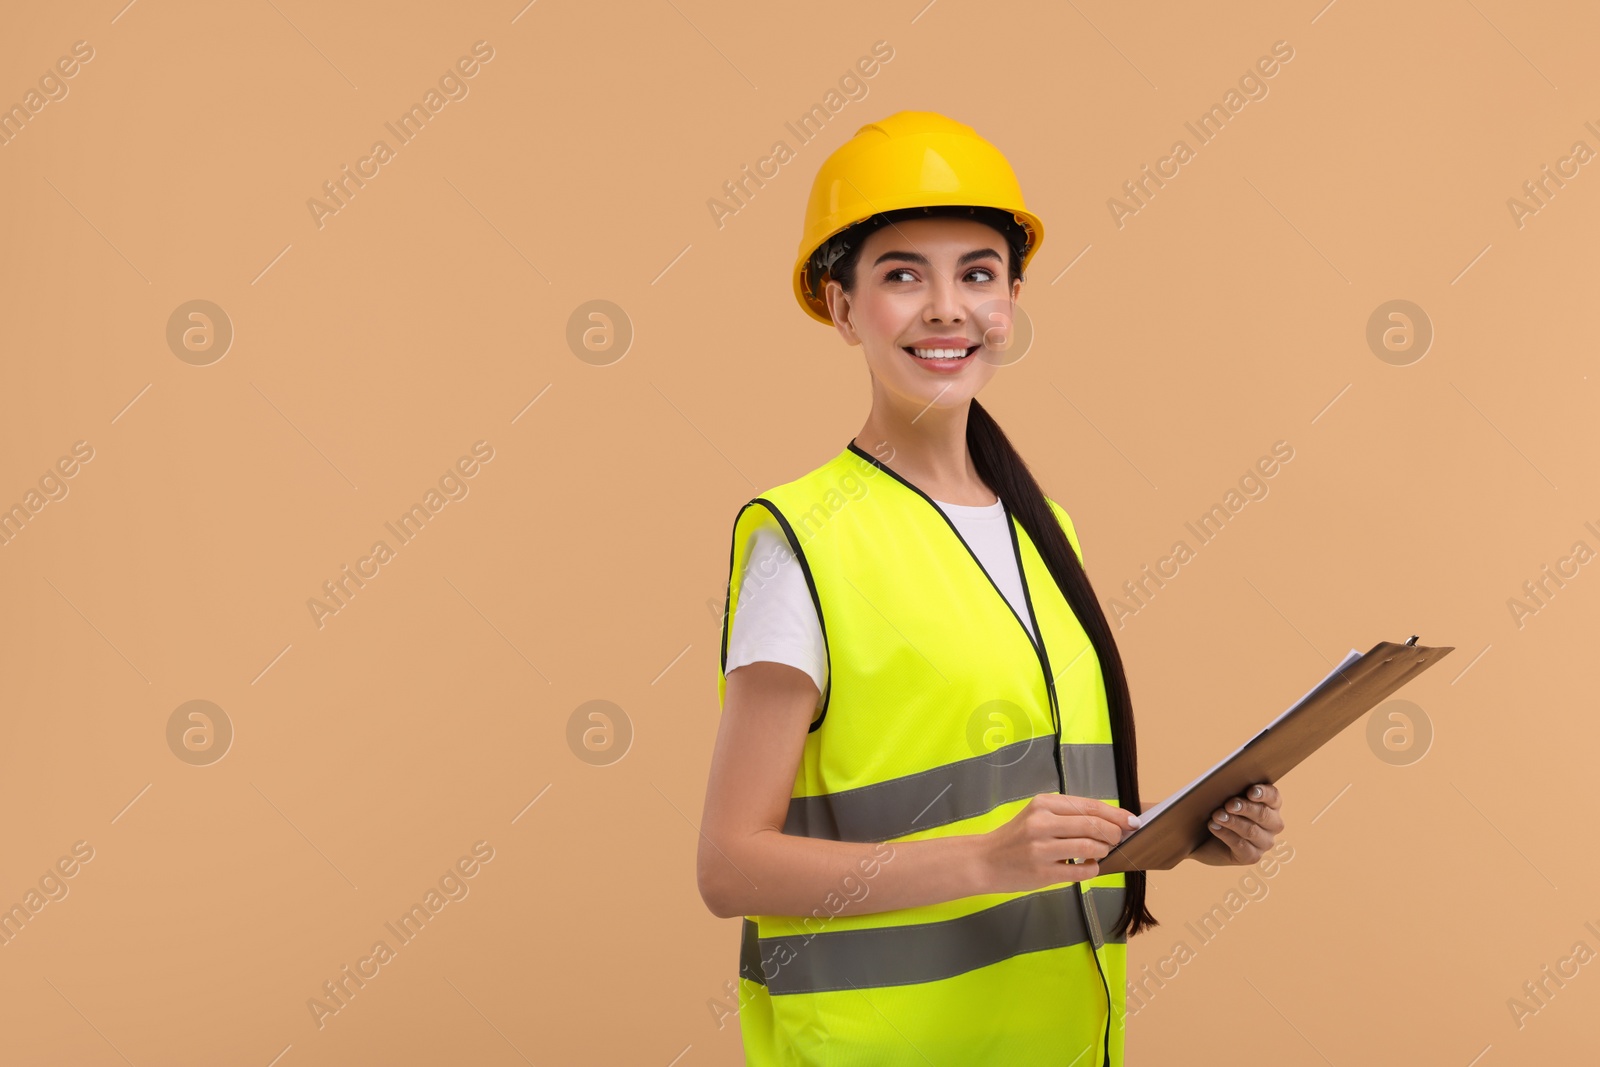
<point>747,865</point>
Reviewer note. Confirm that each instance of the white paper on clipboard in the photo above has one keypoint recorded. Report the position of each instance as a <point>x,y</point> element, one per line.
<point>1153,812</point>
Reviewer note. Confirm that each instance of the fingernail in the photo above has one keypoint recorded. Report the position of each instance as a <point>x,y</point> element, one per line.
<point>1133,821</point>
<point>1223,817</point>
<point>1235,805</point>
<point>1256,793</point>
<point>1213,826</point>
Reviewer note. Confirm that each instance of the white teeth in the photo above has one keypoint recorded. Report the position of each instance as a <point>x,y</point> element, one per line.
<point>939,353</point>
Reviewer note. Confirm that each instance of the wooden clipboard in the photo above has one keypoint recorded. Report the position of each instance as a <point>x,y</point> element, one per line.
<point>1173,829</point>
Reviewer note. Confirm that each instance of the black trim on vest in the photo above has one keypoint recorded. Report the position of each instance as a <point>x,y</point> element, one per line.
<point>805,568</point>
<point>750,952</point>
<point>727,594</point>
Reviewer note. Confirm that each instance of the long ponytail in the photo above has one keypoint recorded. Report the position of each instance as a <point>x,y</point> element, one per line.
<point>1004,471</point>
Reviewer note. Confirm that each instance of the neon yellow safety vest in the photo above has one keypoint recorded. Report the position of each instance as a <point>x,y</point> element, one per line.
<point>936,721</point>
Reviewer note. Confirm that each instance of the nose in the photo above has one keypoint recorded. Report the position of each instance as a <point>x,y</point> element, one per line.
<point>944,302</point>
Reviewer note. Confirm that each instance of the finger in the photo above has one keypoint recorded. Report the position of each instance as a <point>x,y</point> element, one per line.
<point>1244,828</point>
<point>1254,811</point>
<point>1242,850</point>
<point>1266,794</point>
<point>1083,849</point>
<point>1070,827</point>
<point>1075,813</point>
<point>1064,804</point>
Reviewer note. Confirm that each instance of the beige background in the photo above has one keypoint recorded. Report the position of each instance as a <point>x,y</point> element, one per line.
<point>588,560</point>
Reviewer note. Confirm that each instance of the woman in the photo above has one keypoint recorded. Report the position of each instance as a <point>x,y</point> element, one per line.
<point>925,720</point>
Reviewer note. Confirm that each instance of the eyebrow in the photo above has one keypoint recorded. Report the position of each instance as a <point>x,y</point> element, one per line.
<point>922,260</point>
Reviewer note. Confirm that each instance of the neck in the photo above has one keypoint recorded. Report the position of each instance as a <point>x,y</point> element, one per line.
<point>929,450</point>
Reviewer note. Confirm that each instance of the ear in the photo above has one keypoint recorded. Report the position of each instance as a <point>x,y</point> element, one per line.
<point>839,309</point>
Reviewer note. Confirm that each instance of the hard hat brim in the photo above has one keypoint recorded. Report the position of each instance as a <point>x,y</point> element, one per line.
<point>816,306</point>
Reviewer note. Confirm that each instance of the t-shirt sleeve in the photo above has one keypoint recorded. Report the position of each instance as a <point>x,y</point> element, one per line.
<point>774,619</point>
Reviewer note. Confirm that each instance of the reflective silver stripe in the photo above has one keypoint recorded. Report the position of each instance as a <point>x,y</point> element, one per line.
<point>952,792</point>
<point>1091,771</point>
<point>923,952</point>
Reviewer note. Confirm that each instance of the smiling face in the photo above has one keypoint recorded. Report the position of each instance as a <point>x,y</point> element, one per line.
<point>928,293</point>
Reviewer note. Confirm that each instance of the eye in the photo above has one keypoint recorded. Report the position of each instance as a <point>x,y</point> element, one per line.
<point>984,275</point>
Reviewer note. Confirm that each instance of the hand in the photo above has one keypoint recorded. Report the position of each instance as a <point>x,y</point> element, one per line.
<point>1243,828</point>
<point>1030,851</point>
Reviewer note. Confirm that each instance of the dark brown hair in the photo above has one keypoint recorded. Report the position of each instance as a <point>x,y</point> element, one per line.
<point>1004,471</point>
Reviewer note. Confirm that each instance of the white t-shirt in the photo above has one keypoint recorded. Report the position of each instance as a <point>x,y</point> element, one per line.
<point>776,621</point>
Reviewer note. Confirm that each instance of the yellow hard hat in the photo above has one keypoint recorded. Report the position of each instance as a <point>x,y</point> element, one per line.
<point>910,159</point>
